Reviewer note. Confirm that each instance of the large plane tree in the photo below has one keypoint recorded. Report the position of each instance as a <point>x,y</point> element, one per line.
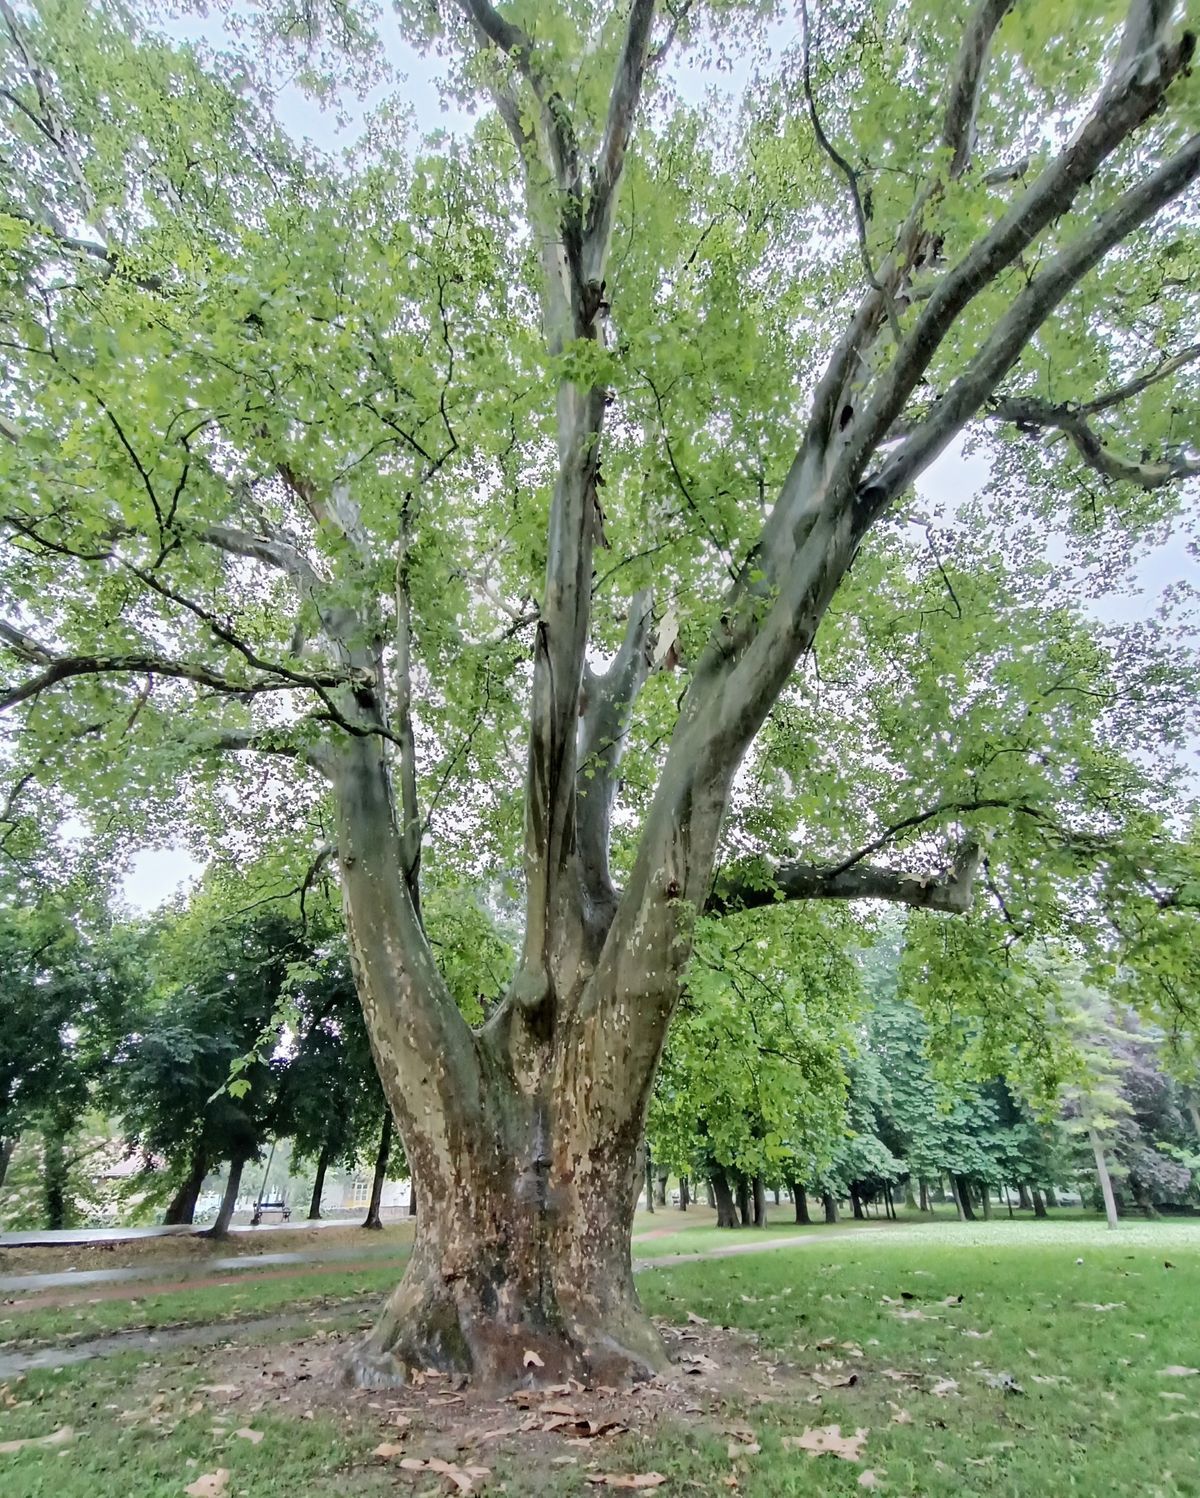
<point>536,505</point>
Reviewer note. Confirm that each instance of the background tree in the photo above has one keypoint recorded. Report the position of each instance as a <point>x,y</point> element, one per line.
<point>356,469</point>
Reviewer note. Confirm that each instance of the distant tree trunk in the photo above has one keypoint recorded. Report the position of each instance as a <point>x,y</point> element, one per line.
<point>743,1199</point>
<point>910,1196</point>
<point>314,1205</point>
<point>830,1205</point>
<point>925,1204</point>
<point>760,1202</point>
<point>776,1191</point>
<point>1106,1190</point>
<point>6,1151</point>
<point>660,1194</point>
<point>1039,1203</point>
<point>1051,1197</point>
<point>962,1190</point>
<point>1008,1200</point>
<point>800,1197</point>
<point>649,1181</point>
<point>856,1203</point>
<point>726,1209</point>
<point>182,1206</point>
<point>685,1199</point>
<point>1024,1200</point>
<point>233,1185</point>
<point>710,1193</point>
<point>54,1175</point>
<point>957,1199</point>
<point>985,1199</point>
<point>373,1219</point>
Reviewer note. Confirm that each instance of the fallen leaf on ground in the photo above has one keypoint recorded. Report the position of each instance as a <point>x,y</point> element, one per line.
<point>463,1478</point>
<point>899,1416</point>
<point>211,1485</point>
<point>868,1479</point>
<point>388,1449</point>
<point>57,1437</point>
<point>828,1440</point>
<point>1091,1305</point>
<point>951,1300</point>
<point>969,1331</point>
<point>532,1360</point>
<point>253,1436</point>
<point>696,1320</point>
<point>945,1387</point>
<point>741,1432</point>
<point>743,1448</point>
<point>838,1381</point>
<point>1176,1370</point>
<point>217,1389</point>
<point>627,1479</point>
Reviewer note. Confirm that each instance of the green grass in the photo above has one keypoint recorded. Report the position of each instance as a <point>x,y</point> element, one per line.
<point>1089,1415</point>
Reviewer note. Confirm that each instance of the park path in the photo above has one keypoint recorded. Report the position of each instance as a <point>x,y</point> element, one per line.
<point>86,1349</point>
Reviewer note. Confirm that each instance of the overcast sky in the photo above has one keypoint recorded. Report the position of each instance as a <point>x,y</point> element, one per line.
<point>158,873</point>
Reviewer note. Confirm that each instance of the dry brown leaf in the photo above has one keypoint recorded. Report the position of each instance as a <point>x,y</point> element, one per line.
<point>463,1478</point>
<point>951,1300</point>
<point>828,1440</point>
<point>210,1485</point>
<point>247,1434</point>
<point>916,1314</point>
<point>58,1437</point>
<point>743,1448</point>
<point>626,1479</point>
<point>838,1381</point>
<point>217,1389</point>
<point>740,1432</point>
<point>388,1449</point>
<point>867,1478</point>
<point>532,1360</point>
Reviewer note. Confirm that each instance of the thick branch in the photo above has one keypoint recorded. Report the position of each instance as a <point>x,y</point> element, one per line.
<point>268,549</point>
<point>1028,413</point>
<point>606,714</point>
<point>958,132</point>
<point>950,892</point>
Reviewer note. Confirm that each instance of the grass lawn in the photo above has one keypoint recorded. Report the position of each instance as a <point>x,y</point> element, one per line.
<point>1049,1376</point>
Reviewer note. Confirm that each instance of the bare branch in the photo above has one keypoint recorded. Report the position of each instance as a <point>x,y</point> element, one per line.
<point>958,132</point>
<point>950,891</point>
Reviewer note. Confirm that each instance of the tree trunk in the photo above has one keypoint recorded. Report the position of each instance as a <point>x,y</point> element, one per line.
<point>182,1206</point>
<point>776,1191</point>
<point>760,1202</point>
<point>314,1205</point>
<point>233,1185</point>
<point>1024,1200</point>
<point>373,1219</point>
<point>800,1197</point>
<point>1039,1203</point>
<point>684,1195</point>
<point>412,1198</point>
<point>856,1205</point>
<point>6,1153</point>
<point>958,1202</point>
<point>830,1205</point>
<point>649,1181</point>
<point>1194,1115</point>
<point>962,1190</point>
<point>710,1193</point>
<point>660,1192</point>
<point>726,1209</point>
<point>1051,1197</point>
<point>925,1204</point>
<point>985,1200</point>
<point>1106,1190</point>
<point>745,1212</point>
<point>54,1176</point>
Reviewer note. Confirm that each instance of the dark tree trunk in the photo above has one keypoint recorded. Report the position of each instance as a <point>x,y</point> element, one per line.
<point>856,1205</point>
<point>314,1205</point>
<point>373,1219</point>
<point>745,1211</point>
<point>800,1197</point>
<point>660,1192</point>
<point>776,1192</point>
<point>54,1176</point>
<point>830,1205</point>
<point>1051,1197</point>
<point>962,1190</point>
<point>233,1185</point>
<point>6,1153</point>
<point>685,1199</point>
<point>182,1206</point>
<point>925,1204</point>
<point>985,1199</point>
<point>1039,1204</point>
<point>888,1203</point>
<point>1024,1200</point>
<point>957,1199</point>
<point>710,1194</point>
<point>760,1202</point>
<point>726,1208</point>
<point>649,1181</point>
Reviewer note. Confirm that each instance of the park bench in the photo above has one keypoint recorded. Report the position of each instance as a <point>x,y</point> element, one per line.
<point>279,1206</point>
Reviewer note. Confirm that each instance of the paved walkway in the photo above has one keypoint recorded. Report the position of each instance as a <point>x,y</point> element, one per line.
<point>88,1237</point>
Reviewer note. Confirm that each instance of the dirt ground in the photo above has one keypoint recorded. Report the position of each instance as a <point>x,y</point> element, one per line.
<point>54,1259</point>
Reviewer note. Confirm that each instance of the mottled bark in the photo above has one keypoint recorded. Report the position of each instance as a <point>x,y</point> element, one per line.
<point>382,1154</point>
<point>233,1185</point>
<point>182,1206</point>
<point>314,1204</point>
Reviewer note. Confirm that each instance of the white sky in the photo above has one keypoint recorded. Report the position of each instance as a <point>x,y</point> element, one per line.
<point>158,873</point>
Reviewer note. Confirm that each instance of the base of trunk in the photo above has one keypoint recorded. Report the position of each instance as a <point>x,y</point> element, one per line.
<point>502,1334</point>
